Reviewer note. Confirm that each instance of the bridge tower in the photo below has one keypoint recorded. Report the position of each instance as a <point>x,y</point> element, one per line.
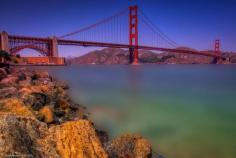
<point>133,34</point>
<point>4,41</point>
<point>217,46</point>
<point>217,50</point>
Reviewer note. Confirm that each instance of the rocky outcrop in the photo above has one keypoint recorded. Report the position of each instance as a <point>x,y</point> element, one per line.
<point>37,95</point>
<point>32,138</point>
<point>77,139</point>
<point>132,146</point>
<point>38,119</point>
<point>25,137</point>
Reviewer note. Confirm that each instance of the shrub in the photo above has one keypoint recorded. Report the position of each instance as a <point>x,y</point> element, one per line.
<point>18,55</point>
<point>5,55</point>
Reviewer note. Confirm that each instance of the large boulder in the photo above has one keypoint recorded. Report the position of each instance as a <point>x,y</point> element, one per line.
<point>77,139</point>
<point>130,146</point>
<point>24,137</point>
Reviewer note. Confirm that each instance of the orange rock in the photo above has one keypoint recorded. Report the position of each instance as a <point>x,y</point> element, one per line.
<point>47,114</point>
<point>130,146</point>
<point>77,139</point>
<point>14,105</point>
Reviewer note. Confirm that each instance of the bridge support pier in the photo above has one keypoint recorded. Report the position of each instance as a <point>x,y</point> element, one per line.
<point>4,46</point>
<point>54,47</point>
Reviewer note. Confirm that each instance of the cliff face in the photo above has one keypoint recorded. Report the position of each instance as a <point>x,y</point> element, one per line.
<point>121,56</point>
<point>38,119</point>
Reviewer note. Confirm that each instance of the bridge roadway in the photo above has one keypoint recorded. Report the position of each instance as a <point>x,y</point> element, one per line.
<point>114,45</point>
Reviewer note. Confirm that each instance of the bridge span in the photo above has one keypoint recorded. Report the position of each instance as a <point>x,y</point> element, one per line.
<point>87,37</point>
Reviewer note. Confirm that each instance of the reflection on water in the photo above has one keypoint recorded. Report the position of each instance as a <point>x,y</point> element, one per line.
<point>185,110</point>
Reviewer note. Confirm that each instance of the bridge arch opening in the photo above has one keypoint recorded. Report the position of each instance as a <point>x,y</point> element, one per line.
<point>29,50</point>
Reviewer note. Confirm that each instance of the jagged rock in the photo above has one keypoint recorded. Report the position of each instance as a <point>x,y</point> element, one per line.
<point>9,80</point>
<point>41,74</point>
<point>103,137</point>
<point>3,73</point>
<point>40,97</point>
<point>27,99</point>
<point>59,113</point>
<point>62,103</point>
<point>77,139</point>
<point>21,76</point>
<point>25,83</point>
<point>16,106</point>
<point>47,113</point>
<point>24,137</point>
<point>7,92</point>
<point>131,146</point>
<point>37,106</point>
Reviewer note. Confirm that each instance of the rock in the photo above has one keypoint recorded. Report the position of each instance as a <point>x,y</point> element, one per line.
<point>7,92</point>
<point>39,100</point>
<point>59,113</point>
<point>16,106</point>
<point>3,73</point>
<point>77,139</point>
<point>103,137</point>
<point>47,113</point>
<point>38,75</point>
<point>25,83</point>
<point>9,80</point>
<point>25,137</point>
<point>62,103</point>
<point>62,93</point>
<point>40,97</point>
<point>37,106</point>
<point>132,146</point>
<point>21,76</point>
<point>63,85</point>
<point>156,155</point>
<point>27,99</point>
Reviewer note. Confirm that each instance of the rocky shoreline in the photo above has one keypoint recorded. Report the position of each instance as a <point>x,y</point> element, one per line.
<point>38,119</point>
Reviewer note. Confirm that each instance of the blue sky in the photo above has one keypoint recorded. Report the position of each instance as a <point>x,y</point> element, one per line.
<point>194,23</point>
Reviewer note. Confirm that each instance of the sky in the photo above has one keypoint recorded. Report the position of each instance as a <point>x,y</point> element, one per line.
<point>192,23</point>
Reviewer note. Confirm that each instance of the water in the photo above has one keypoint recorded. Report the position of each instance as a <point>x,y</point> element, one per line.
<point>186,111</point>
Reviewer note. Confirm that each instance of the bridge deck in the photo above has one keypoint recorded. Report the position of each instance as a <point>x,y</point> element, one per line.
<point>115,45</point>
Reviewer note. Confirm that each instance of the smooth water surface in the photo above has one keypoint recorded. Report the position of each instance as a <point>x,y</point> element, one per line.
<point>186,111</point>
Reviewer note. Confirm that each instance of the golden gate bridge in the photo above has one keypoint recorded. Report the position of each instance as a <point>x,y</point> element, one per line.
<point>130,29</point>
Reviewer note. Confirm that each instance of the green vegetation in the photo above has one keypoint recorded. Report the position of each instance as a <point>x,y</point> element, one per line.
<point>18,56</point>
<point>10,58</point>
<point>5,55</point>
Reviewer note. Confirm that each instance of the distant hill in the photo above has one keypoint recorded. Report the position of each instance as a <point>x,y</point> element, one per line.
<point>121,56</point>
<point>105,56</point>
